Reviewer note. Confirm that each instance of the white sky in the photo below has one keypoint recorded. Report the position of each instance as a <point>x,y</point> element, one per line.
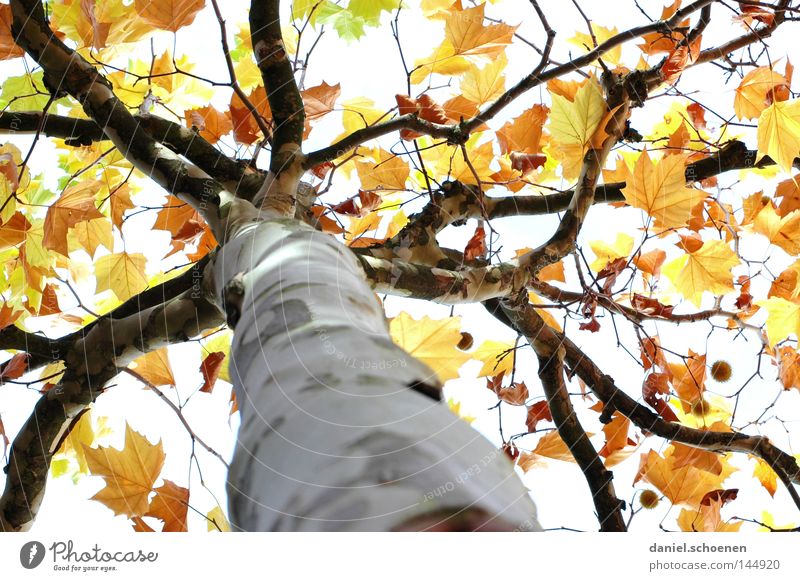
<point>372,68</point>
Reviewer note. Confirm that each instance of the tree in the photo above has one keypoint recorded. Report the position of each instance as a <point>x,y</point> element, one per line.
<point>342,423</point>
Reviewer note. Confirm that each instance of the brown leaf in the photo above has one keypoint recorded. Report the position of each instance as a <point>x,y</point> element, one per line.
<point>476,247</point>
<point>538,412</point>
<point>170,504</point>
<point>14,367</point>
<point>651,307</point>
<point>8,48</point>
<point>75,205</point>
<point>210,368</point>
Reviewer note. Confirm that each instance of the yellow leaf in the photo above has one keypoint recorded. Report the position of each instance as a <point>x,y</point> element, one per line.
<point>219,342</point>
<point>781,231</point>
<point>154,367</point>
<point>497,358</point>
<point>602,34</point>
<point>129,473</point>
<point>93,233</point>
<point>706,520</point>
<point>483,85</point>
<point>575,121</point>
<point>87,432</point>
<point>706,269</point>
<point>360,112</point>
<point>455,407</point>
<point>751,94</point>
<point>75,205</point>
<point>122,273</point>
<point>621,248</point>
<point>659,188</point>
<point>455,166</point>
<point>465,36</point>
<point>432,342</point>
<point>217,520</point>
<point>779,132</point>
<point>783,318</point>
<point>169,14</point>
<point>387,172</point>
<point>766,476</point>
<point>683,484</point>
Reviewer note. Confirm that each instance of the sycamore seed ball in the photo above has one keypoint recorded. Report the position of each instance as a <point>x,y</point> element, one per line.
<point>700,408</point>
<point>648,499</point>
<point>721,371</point>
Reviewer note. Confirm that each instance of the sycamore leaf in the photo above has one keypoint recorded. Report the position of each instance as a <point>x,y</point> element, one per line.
<point>75,205</point>
<point>779,133</point>
<point>434,342</point>
<point>659,188</point>
<point>706,520</point>
<point>752,93</point>
<point>483,85</point>
<point>621,248</point>
<point>781,231</point>
<point>217,520</point>
<point>524,133</point>
<point>575,121</point>
<point>13,231</point>
<point>87,432</point>
<point>210,368</point>
<point>451,161</point>
<point>682,485</point>
<point>154,367</point>
<point>789,367</point>
<point>602,34</point>
<point>122,273</point>
<point>93,233</point>
<point>210,123</point>
<point>497,358</point>
<point>766,476</point>
<point>387,172</point>
<point>129,473</point>
<point>8,48</point>
<point>171,505</point>
<point>783,318</point>
<point>706,269</point>
<point>219,342</point>
<point>465,36</point>
<point>169,14</point>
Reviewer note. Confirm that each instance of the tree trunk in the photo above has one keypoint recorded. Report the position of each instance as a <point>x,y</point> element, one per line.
<point>339,429</point>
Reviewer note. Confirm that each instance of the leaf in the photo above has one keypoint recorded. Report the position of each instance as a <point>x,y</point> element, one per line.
<point>659,188</point>
<point>789,367</point>
<point>524,133</point>
<point>217,520</point>
<point>122,273</point>
<point>129,473</point>
<point>171,505</point>
<point>465,37</point>
<point>483,85</point>
<point>245,126</point>
<point>154,367</point>
<point>682,485</point>
<point>75,205</point>
<point>538,412</point>
<point>15,367</point>
<point>210,368</point>
<point>434,342</point>
<point>13,231</point>
<point>707,269</point>
<point>575,121</point>
<point>602,34</point>
<point>605,253</point>
<point>752,93</point>
<point>497,358</point>
<point>783,318</point>
<point>88,431</point>
<point>169,14</point>
<point>90,234</point>
<point>766,476</point>
<point>476,246</point>
<point>779,133</point>
<point>387,172</point>
<point>784,231</point>
<point>210,123</point>
<point>8,48</point>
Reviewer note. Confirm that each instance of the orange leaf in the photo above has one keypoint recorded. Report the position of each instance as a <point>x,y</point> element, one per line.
<point>170,504</point>
<point>129,473</point>
<point>8,48</point>
<point>210,123</point>
<point>169,14</point>
<point>154,368</point>
<point>476,247</point>
<point>210,368</point>
<point>75,205</point>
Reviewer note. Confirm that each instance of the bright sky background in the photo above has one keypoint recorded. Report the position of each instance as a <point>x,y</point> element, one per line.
<point>372,68</point>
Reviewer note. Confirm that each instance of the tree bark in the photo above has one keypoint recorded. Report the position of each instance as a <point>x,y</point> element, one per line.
<point>337,431</point>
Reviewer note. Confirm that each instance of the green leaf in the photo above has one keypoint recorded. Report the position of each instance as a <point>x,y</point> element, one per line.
<point>371,10</point>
